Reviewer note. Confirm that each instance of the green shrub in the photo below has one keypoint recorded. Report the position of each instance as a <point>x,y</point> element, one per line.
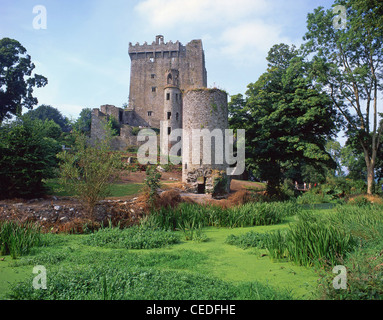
<point>88,170</point>
<point>135,237</point>
<point>27,156</point>
<point>152,183</point>
<point>312,197</point>
<point>17,239</point>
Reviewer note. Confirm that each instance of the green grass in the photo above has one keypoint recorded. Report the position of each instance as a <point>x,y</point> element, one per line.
<point>131,238</point>
<point>116,190</point>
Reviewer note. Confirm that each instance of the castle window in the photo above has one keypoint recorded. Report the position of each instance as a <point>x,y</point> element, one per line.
<point>177,116</point>
<point>169,80</point>
<point>152,75</point>
<point>176,96</point>
<point>169,130</point>
<point>168,96</point>
<point>150,113</point>
<point>169,115</point>
<point>154,89</point>
<point>151,59</point>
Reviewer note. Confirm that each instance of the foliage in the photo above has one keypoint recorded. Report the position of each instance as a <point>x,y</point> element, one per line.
<point>131,238</point>
<point>286,117</point>
<point>16,80</point>
<point>89,170</point>
<point>248,240</point>
<point>152,183</point>
<point>45,112</point>
<point>27,156</point>
<point>364,275</point>
<point>17,239</point>
<point>354,162</point>
<point>347,62</point>
<point>114,126</point>
<point>84,121</point>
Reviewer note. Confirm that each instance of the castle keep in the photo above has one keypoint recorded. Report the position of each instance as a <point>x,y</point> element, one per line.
<point>163,65</point>
<point>168,90</point>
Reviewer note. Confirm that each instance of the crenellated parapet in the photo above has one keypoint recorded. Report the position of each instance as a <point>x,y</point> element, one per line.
<point>156,46</point>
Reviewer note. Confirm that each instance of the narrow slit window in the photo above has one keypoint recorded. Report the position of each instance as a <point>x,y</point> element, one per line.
<point>168,96</point>
<point>169,115</point>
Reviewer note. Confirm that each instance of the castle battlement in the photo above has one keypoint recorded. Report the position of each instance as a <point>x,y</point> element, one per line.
<point>159,45</point>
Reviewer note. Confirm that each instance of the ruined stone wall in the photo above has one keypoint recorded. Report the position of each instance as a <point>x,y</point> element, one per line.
<point>149,64</point>
<point>204,109</point>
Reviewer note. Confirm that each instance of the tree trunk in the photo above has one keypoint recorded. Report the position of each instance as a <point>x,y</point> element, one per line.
<point>370,179</point>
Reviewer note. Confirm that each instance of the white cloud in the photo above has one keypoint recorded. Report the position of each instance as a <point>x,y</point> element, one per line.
<point>166,14</point>
<point>250,41</point>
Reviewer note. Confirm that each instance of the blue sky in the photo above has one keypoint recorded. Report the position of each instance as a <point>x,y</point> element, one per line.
<point>84,49</point>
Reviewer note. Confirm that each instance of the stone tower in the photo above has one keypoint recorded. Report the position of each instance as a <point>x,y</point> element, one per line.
<point>205,110</point>
<point>151,66</point>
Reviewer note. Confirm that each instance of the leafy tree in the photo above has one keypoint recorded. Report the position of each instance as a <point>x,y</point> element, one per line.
<point>354,162</point>
<point>334,148</point>
<point>84,121</point>
<point>27,156</point>
<point>348,63</point>
<point>286,118</point>
<point>45,112</point>
<point>16,80</point>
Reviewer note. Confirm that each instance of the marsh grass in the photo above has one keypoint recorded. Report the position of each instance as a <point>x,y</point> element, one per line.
<point>197,216</point>
<point>17,239</point>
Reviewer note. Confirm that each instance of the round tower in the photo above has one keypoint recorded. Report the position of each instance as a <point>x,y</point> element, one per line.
<point>172,117</point>
<point>205,118</point>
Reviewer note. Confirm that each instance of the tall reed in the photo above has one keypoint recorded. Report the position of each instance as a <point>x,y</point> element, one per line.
<point>249,214</point>
<point>16,239</point>
<point>311,241</point>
